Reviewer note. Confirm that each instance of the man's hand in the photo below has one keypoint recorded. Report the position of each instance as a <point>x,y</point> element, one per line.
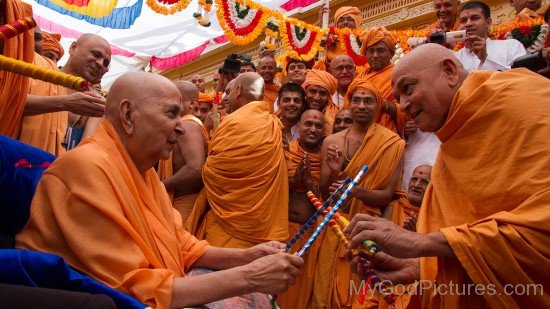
<point>265,249</point>
<point>410,222</point>
<point>306,175</point>
<point>478,46</point>
<point>89,103</point>
<point>335,159</point>
<point>398,271</point>
<point>209,121</point>
<point>274,273</point>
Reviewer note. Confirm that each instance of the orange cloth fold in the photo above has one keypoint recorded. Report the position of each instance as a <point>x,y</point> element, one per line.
<point>490,199</point>
<point>244,200</point>
<point>375,35</point>
<point>382,81</point>
<point>326,80</point>
<point>271,93</point>
<point>184,204</point>
<point>114,224</point>
<point>51,43</point>
<point>14,87</point>
<point>294,156</point>
<point>352,11</point>
<point>527,14</point>
<point>45,131</point>
<point>206,98</point>
<point>381,151</point>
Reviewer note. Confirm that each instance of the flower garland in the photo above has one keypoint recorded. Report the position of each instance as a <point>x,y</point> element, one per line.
<point>351,45</point>
<point>303,41</point>
<point>175,6</point>
<point>532,33</point>
<point>241,23</point>
<point>271,34</point>
<point>202,15</point>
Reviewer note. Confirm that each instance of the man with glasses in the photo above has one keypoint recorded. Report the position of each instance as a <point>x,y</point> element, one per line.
<point>342,68</point>
<point>378,46</point>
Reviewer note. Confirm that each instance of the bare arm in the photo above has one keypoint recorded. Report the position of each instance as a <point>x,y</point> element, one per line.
<point>80,103</point>
<point>188,179</point>
<point>382,197</point>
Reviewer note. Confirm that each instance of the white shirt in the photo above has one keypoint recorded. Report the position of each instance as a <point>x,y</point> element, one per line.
<point>294,132</point>
<point>338,99</point>
<point>500,55</point>
<point>421,148</point>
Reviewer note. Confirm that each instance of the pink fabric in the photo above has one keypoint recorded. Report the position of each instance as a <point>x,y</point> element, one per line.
<point>179,59</point>
<point>292,4</point>
<point>52,27</point>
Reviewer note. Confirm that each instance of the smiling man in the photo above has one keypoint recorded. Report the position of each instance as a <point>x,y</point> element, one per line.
<point>291,104</point>
<point>342,68</point>
<point>446,12</point>
<point>267,68</point>
<point>320,86</point>
<point>479,51</point>
<point>342,155</point>
<point>484,218</point>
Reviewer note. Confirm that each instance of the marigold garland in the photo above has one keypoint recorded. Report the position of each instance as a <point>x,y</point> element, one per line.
<point>241,35</point>
<point>293,33</point>
<point>350,45</point>
<point>164,10</point>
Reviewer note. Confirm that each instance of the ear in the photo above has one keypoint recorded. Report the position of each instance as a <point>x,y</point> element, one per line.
<point>72,48</point>
<point>489,23</point>
<point>239,90</point>
<point>126,109</point>
<point>451,70</point>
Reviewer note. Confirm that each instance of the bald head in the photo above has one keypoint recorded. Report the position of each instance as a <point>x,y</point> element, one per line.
<point>311,129</point>
<point>425,82</point>
<point>144,109</point>
<point>189,94</point>
<point>246,88</point>
<point>342,67</point>
<point>199,82</point>
<point>312,113</point>
<point>418,183</point>
<point>267,68</point>
<point>89,58</point>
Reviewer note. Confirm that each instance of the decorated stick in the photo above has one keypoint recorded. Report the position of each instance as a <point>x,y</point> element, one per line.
<point>332,211</point>
<point>317,204</point>
<point>44,74</point>
<point>16,27</point>
<point>316,215</point>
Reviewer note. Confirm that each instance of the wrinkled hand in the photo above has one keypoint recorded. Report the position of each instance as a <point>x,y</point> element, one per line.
<point>410,128</point>
<point>265,249</point>
<point>478,46</point>
<point>398,271</point>
<point>335,159</point>
<point>273,274</point>
<point>89,103</point>
<point>410,222</point>
<point>391,238</point>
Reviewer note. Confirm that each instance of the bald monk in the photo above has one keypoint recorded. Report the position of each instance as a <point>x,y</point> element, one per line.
<point>51,47</point>
<point>245,196</point>
<point>181,173</point>
<point>304,168</point>
<point>446,12</point>
<point>378,46</point>
<point>484,216</point>
<point>342,68</point>
<point>342,121</point>
<point>14,88</point>
<point>405,213</point>
<point>527,10</point>
<point>344,17</point>
<point>267,68</point>
<point>117,223</point>
<point>50,109</point>
<point>199,81</point>
<point>291,103</point>
<point>203,105</point>
<point>320,86</point>
<point>342,155</point>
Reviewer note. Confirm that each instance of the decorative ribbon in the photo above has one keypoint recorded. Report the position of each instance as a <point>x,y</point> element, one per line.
<point>16,27</point>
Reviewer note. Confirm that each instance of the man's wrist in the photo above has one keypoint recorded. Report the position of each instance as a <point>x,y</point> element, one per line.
<point>433,244</point>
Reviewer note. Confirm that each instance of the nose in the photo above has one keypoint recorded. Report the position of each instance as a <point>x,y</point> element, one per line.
<point>179,127</point>
<point>404,105</point>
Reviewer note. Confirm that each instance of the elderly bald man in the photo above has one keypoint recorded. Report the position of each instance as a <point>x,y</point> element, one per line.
<point>484,218</point>
<point>113,219</point>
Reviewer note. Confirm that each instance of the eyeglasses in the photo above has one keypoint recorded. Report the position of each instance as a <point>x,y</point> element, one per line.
<point>340,68</point>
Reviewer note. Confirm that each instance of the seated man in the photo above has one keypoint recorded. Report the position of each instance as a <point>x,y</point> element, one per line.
<point>116,223</point>
<point>342,121</point>
<point>479,51</point>
<point>304,168</point>
<point>291,104</point>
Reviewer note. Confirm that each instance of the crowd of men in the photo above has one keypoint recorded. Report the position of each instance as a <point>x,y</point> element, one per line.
<point>159,177</point>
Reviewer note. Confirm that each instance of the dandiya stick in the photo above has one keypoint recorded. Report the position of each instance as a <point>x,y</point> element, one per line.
<point>44,74</point>
<point>332,211</point>
<point>316,215</point>
<point>16,27</point>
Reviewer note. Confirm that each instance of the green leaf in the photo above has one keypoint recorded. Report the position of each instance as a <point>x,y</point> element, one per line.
<point>241,13</point>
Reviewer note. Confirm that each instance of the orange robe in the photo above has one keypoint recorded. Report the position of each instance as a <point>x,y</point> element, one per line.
<point>271,93</point>
<point>298,295</point>
<point>45,131</point>
<point>489,195</point>
<point>382,80</point>
<point>14,87</point>
<point>371,298</point>
<point>184,204</point>
<point>95,209</point>
<point>381,151</point>
<point>244,200</point>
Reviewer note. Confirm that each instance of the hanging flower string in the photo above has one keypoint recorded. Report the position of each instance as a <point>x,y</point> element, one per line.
<point>241,23</point>
<point>167,7</point>
<point>351,45</point>
<point>271,34</point>
<point>303,41</point>
<point>203,13</point>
